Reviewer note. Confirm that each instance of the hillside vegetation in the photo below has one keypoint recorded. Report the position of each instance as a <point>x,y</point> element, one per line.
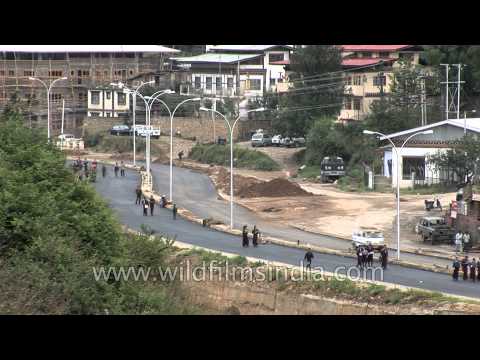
<point>54,230</point>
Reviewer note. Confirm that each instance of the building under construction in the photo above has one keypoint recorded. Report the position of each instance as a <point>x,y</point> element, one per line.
<point>84,66</point>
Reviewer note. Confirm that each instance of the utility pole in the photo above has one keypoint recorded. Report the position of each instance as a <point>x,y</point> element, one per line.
<point>447,66</point>
<point>458,85</point>
<point>456,93</point>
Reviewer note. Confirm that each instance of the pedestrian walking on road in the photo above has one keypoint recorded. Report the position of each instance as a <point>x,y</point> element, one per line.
<point>116,168</point>
<point>94,165</point>
<point>364,257</point>
<point>104,170</point>
<point>370,255</point>
<point>478,269</point>
<point>145,205</point>
<point>308,259</point>
<point>359,257</point>
<point>180,155</point>
<point>245,236</point>
<point>384,257</point>
<point>138,191</point>
<point>85,165</point>
<point>255,236</point>
<point>465,268</point>
<point>458,242</point>
<point>164,201</point>
<point>152,205</point>
<point>456,269</point>
<point>174,211</point>
<point>122,169</point>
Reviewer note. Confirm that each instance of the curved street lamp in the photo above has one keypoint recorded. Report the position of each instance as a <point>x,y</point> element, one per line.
<point>231,129</point>
<point>172,114</point>
<point>49,88</point>
<point>426,132</point>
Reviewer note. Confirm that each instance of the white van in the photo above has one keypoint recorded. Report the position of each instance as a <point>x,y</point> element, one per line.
<point>260,139</point>
<point>366,236</point>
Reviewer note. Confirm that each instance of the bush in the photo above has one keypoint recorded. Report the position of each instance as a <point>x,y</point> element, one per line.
<point>244,158</point>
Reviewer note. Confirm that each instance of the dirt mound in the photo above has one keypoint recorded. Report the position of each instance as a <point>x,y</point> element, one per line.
<point>274,188</point>
<point>222,180</point>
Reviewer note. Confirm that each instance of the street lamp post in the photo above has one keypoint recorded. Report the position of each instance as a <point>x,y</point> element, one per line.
<point>231,128</point>
<point>426,132</point>
<point>134,98</point>
<point>172,115</point>
<point>49,88</point>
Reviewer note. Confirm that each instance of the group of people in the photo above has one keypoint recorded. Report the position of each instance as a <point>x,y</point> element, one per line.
<point>116,168</point>
<point>365,256</point>
<point>150,203</point>
<point>255,236</point>
<point>470,269</point>
<point>86,171</point>
<point>462,242</point>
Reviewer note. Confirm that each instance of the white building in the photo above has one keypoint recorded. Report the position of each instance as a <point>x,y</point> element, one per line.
<point>107,102</point>
<point>236,70</point>
<point>413,159</point>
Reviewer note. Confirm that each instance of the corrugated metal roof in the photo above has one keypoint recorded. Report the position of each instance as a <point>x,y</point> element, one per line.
<point>364,61</point>
<point>86,48</point>
<point>374,47</point>
<point>472,124</point>
<point>216,58</point>
<point>246,47</point>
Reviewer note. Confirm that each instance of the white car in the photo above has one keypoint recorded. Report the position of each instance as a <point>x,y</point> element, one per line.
<point>277,140</point>
<point>65,137</point>
<point>366,236</point>
<point>154,133</point>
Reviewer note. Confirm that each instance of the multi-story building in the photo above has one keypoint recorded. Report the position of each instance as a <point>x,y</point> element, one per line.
<point>369,70</point>
<point>107,102</point>
<point>236,70</point>
<point>85,66</point>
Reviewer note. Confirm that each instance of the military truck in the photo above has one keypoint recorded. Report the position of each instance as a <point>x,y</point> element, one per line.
<point>435,230</point>
<point>331,169</point>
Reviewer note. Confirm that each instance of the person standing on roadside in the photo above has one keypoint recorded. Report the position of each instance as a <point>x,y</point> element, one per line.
<point>85,165</point>
<point>473,270</point>
<point>245,236</point>
<point>384,257</point>
<point>458,242</point>
<point>478,269</point>
<point>365,257</point>
<point>370,255</point>
<point>308,259</point>
<point>465,268</point>
<point>255,236</point>
<point>104,170</point>
<point>116,168</point>
<point>466,242</point>
<point>122,169</point>
<point>152,205</point>
<point>174,211</point>
<point>359,257</point>
<point>456,269</point>
<point>145,205</point>
<point>138,191</point>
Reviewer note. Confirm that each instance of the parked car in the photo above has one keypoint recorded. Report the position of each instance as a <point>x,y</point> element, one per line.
<point>366,236</point>
<point>277,140</point>
<point>65,137</point>
<point>142,130</point>
<point>120,130</point>
<point>261,139</point>
<point>299,141</point>
<point>221,141</point>
<point>287,142</point>
<point>435,230</point>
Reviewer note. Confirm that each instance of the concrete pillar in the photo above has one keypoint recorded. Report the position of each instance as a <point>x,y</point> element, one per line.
<point>370,180</point>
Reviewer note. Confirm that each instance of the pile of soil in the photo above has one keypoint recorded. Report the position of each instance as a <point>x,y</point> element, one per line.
<point>222,180</point>
<point>274,188</point>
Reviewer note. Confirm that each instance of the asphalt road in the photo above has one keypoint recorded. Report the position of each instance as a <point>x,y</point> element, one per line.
<point>120,194</point>
<point>195,191</point>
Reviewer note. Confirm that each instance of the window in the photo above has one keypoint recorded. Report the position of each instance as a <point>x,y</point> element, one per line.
<point>347,105</point>
<point>95,97</point>
<point>108,94</point>
<point>82,96</point>
<point>413,164</point>
<point>230,83</point>
<point>208,81</point>
<point>357,104</point>
<point>28,73</point>
<point>380,80</point>
<point>131,72</point>
<point>105,73</point>
<point>11,73</point>
<point>198,82</point>
<point>86,73</point>
<point>275,57</point>
<point>56,97</point>
<point>98,74</point>
<point>121,99</point>
<point>272,82</point>
<point>2,72</point>
<point>357,80</point>
<point>72,73</point>
<point>348,80</point>
<point>366,54</point>
<point>55,73</point>
<point>218,83</point>
<point>255,84</point>
<point>384,54</point>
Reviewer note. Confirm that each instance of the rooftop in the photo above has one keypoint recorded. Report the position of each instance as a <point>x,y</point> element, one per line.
<point>216,58</point>
<point>247,47</point>
<point>383,48</point>
<point>86,49</point>
<point>472,124</point>
<point>364,61</point>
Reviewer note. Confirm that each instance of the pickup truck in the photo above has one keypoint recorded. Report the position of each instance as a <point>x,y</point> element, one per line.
<point>366,236</point>
<point>435,230</point>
